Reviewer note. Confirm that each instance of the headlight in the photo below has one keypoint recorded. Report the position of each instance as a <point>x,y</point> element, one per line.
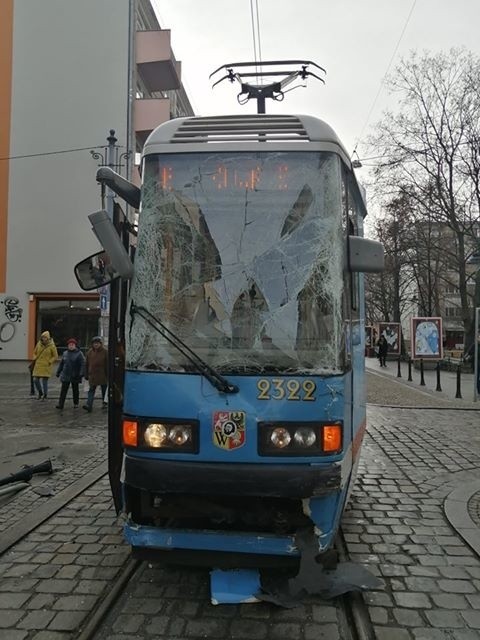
<point>155,435</point>
<point>280,437</point>
<point>300,439</point>
<point>179,434</point>
<point>164,435</point>
<point>305,437</point>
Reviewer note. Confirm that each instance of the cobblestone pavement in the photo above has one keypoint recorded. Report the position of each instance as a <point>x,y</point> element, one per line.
<point>54,577</point>
<point>413,461</point>
<point>33,431</point>
<point>172,604</point>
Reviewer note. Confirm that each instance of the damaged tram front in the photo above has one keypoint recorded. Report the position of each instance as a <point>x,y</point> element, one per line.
<point>244,391</point>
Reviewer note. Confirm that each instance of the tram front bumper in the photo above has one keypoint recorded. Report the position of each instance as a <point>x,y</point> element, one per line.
<point>205,478</point>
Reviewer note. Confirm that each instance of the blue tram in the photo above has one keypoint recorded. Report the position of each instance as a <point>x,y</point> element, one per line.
<point>238,410</point>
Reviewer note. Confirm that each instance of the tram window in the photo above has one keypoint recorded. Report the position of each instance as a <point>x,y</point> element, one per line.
<point>351,211</point>
<point>354,281</point>
<point>344,201</point>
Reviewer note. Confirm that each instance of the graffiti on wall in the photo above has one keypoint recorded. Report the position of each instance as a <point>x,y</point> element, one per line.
<point>12,314</point>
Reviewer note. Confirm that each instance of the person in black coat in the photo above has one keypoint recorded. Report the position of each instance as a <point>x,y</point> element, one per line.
<point>71,371</point>
<point>382,350</point>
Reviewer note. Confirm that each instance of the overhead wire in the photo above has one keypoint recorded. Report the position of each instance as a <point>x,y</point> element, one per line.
<point>257,47</point>
<point>384,77</point>
<point>53,153</point>
<point>258,38</point>
<point>254,36</point>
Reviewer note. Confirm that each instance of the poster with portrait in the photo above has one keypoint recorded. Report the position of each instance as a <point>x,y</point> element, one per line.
<point>426,338</point>
<point>392,333</point>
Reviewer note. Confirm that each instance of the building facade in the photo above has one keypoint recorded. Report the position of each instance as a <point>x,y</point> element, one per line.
<point>69,73</point>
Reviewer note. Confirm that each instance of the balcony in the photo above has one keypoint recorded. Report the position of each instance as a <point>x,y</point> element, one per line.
<point>148,114</point>
<point>156,63</point>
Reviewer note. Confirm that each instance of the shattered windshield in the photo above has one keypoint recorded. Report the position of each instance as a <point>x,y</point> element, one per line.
<point>241,256</point>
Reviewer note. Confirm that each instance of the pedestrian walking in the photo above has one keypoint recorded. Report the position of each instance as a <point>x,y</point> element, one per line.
<point>96,371</point>
<point>70,371</point>
<point>44,356</point>
<point>382,350</point>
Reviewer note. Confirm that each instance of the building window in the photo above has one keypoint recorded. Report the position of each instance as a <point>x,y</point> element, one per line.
<point>453,312</point>
<point>451,288</point>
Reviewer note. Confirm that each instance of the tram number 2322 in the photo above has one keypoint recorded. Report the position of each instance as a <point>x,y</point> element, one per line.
<point>280,389</point>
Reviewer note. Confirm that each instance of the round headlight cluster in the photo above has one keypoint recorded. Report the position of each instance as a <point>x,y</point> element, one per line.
<point>159,435</point>
<point>303,437</point>
<point>299,439</point>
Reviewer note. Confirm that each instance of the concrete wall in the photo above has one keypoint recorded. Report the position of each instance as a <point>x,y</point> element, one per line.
<point>69,87</point>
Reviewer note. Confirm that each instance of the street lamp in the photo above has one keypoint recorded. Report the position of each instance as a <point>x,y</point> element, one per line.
<point>111,157</point>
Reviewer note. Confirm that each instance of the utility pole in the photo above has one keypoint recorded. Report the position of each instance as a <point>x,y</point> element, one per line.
<point>113,159</point>
<point>111,149</point>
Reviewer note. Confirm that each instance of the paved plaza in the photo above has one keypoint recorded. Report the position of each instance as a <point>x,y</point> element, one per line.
<point>413,520</point>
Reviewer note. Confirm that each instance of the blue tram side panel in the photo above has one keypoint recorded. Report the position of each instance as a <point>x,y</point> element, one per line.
<point>243,403</point>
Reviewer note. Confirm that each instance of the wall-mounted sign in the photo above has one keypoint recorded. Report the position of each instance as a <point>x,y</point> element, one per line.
<point>426,336</point>
<point>392,333</point>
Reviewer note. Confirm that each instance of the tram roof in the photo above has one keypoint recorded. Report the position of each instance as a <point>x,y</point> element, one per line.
<point>244,131</point>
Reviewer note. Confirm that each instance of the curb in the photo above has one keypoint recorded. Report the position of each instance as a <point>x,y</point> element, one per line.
<point>456,511</point>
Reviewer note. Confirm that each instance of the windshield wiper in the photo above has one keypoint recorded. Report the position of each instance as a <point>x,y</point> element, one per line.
<point>215,378</point>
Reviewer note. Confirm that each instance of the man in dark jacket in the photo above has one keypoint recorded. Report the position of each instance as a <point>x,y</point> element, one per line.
<point>96,371</point>
<point>70,371</point>
<point>382,350</point>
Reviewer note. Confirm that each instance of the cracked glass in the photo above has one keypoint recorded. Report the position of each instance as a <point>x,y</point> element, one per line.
<point>241,256</point>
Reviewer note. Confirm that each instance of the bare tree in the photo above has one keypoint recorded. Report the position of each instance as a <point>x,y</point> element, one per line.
<point>390,292</point>
<point>431,156</point>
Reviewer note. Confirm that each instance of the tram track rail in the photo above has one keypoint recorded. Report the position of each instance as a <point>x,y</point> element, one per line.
<point>352,604</point>
<point>353,614</point>
<point>354,620</point>
<point>105,605</point>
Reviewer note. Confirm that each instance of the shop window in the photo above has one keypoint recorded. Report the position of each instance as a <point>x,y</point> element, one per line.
<point>68,318</point>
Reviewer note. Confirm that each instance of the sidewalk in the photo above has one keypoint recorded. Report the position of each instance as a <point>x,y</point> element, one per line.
<point>437,399</point>
<point>33,431</point>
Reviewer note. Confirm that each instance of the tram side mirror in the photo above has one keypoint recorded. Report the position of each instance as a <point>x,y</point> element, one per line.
<point>364,255</point>
<point>95,271</point>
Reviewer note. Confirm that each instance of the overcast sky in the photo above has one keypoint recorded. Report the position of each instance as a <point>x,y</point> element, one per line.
<point>354,40</point>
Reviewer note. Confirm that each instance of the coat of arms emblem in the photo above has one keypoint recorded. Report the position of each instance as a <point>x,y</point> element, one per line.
<point>229,429</point>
